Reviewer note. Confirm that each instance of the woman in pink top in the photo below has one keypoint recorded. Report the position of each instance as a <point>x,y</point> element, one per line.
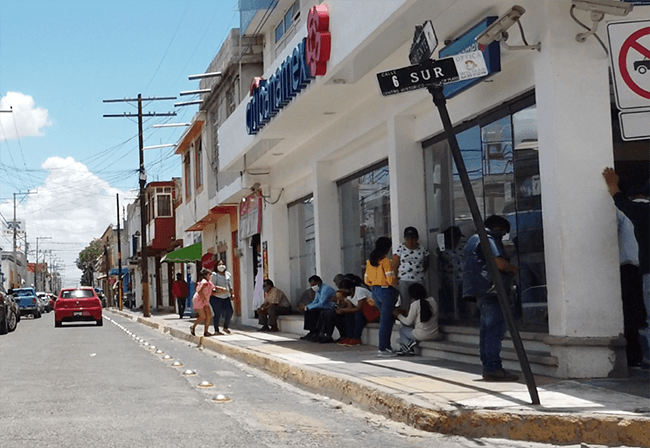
<point>201,302</point>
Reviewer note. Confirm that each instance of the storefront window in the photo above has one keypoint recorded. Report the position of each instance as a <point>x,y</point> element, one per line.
<point>500,152</point>
<point>302,244</point>
<point>365,215</point>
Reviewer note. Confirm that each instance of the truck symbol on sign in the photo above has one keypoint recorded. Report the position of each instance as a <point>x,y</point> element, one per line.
<point>642,66</point>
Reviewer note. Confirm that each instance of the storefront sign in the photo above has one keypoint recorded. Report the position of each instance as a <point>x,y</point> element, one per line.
<point>250,215</point>
<point>467,44</point>
<point>308,59</point>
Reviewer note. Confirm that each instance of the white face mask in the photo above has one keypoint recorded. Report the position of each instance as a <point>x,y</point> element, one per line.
<point>315,288</point>
<point>221,268</point>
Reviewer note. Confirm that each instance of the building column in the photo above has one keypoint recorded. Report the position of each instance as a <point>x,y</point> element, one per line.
<point>580,240</point>
<point>327,225</point>
<point>406,174</point>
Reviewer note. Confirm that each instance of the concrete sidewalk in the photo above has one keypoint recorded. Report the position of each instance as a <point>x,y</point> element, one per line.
<point>439,395</point>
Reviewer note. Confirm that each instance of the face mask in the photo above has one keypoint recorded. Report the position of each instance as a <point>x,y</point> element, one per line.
<point>315,288</point>
<point>221,268</point>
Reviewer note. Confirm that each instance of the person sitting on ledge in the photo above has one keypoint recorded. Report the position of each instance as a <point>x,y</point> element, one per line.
<point>275,304</point>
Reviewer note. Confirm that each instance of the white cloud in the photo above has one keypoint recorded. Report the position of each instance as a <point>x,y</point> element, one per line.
<point>73,206</point>
<point>25,120</point>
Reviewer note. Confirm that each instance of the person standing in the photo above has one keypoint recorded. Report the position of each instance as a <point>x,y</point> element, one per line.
<point>201,302</point>
<point>636,206</point>
<point>180,291</point>
<point>381,278</point>
<point>477,286</point>
<point>411,262</point>
<point>221,298</point>
<point>275,304</point>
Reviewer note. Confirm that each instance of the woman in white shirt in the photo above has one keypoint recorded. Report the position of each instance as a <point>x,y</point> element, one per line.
<point>421,323</point>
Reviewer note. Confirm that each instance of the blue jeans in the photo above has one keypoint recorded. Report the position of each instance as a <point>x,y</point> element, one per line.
<point>385,299</point>
<point>354,324</point>
<point>492,329</point>
<point>219,307</point>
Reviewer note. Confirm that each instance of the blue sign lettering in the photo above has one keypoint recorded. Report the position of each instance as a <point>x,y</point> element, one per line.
<point>273,94</point>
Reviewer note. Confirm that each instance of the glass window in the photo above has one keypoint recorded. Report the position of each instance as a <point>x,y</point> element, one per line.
<point>279,31</point>
<point>199,163</point>
<point>163,205</point>
<point>365,216</point>
<point>500,152</point>
<point>302,245</point>
<point>187,171</point>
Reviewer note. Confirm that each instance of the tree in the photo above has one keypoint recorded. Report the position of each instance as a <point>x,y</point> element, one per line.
<point>86,261</point>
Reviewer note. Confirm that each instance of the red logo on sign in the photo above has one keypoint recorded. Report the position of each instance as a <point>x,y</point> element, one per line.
<point>632,42</point>
<point>319,40</point>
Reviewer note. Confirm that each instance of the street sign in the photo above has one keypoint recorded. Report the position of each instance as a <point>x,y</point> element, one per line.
<point>456,68</point>
<point>635,124</point>
<point>424,43</point>
<point>629,50</point>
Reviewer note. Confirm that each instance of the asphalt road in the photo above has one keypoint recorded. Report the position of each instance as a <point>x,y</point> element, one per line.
<point>88,386</point>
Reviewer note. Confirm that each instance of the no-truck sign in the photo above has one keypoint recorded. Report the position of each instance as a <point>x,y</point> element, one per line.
<point>629,50</point>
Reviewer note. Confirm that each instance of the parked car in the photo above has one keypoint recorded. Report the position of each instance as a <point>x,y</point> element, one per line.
<point>101,295</point>
<point>27,301</point>
<point>45,301</point>
<point>77,304</point>
<point>9,312</point>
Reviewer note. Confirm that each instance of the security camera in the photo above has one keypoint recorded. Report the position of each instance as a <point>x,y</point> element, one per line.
<point>497,31</point>
<point>255,187</point>
<point>611,7</point>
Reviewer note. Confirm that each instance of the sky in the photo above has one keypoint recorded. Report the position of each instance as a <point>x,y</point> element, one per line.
<point>60,160</point>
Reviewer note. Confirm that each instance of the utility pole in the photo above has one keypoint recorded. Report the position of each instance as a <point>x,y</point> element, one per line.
<point>14,282</point>
<point>36,267</point>
<point>143,180</point>
<point>119,256</point>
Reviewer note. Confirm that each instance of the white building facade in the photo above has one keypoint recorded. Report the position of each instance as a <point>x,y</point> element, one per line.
<point>336,164</point>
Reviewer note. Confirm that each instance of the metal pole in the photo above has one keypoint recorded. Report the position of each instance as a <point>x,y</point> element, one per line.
<point>143,218</point>
<point>119,254</point>
<point>441,103</point>
<point>15,265</point>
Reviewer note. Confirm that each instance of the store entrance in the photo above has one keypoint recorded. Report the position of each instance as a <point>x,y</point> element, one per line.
<point>500,151</point>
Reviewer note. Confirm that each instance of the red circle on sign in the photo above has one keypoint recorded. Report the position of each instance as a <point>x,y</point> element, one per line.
<point>632,42</point>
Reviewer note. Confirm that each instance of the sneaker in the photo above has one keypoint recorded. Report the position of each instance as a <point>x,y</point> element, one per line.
<point>308,336</point>
<point>500,376</point>
<point>353,342</point>
<point>325,340</point>
<point>388,353</point>
<point>343,341</point>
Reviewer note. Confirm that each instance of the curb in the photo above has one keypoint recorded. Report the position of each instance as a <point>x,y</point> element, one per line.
<point>551,428</point>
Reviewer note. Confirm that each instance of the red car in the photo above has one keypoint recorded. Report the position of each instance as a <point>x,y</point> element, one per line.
<point>77,304</point>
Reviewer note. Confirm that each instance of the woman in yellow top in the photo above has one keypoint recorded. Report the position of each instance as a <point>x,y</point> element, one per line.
<point>380,277</point>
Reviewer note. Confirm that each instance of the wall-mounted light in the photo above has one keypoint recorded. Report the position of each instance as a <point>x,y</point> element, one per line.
<point>498,31</point>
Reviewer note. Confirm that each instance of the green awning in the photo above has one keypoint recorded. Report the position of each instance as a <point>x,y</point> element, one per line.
<point>184,254</point>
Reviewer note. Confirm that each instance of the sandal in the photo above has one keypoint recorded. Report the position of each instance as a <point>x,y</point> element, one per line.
<point>206,334</point>
<point>192,331</point>
<point>225,330</point>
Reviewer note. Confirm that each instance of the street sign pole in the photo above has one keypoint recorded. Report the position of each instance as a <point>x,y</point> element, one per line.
<point>441,103</point>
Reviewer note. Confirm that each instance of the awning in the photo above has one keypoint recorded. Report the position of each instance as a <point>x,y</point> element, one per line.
<point>214,215</point>
<point>185,254</point>
<point>115,270</point>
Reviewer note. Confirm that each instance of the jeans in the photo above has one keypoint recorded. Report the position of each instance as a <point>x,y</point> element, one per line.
<point>385,299</point>
<point>492,329</point>
<point>406,335</point>
<point>646,302</point>
<point>180,301</point>
<point>219,307</point>
<point>354,324</point>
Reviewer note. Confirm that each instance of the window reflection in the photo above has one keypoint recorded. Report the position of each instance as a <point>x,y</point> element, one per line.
<point>365,216</point>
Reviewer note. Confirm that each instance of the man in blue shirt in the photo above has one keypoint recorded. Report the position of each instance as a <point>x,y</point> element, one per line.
<point>478,286</point>
<point>322,301</point>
